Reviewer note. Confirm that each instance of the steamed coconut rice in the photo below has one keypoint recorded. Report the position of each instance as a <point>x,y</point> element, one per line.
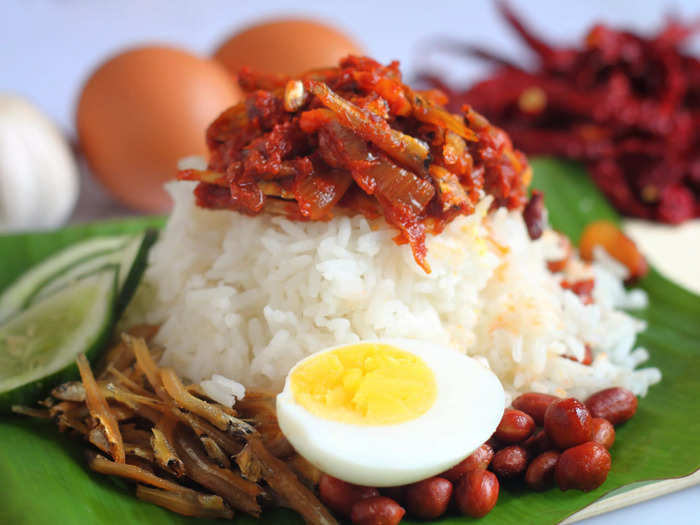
<point>248,296</point>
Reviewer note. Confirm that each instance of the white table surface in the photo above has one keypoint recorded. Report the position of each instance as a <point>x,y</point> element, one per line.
<point>48,48</point>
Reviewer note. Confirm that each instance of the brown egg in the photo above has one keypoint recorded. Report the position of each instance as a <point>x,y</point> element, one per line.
<point>144,109</point>
<point>286,46</point>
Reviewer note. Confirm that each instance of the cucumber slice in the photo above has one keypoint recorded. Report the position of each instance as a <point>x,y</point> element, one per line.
<point>135,271</point>
<point>20,293</point>
<point>131,260</point>
<point>38,347</point>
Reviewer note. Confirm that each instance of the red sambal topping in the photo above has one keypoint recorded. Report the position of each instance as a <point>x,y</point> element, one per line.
<point>356,138</point>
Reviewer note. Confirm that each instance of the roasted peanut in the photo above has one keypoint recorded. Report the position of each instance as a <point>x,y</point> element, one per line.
<point>537,443</point>
<point>558,265</point>
<point>567,423</point>
<point>480,458</point>
<point>540,472</point>
<point>616,243</point>
<point>476,493</point>
<point>515,426</point>
<point>428,499</point>
<point>583,467</point>
<point>340,496</point>
<point>603,432</point>
<point>509,462</point>
<point>494,443</point>
<point>535,405</point>
<point>616,404</point>
<point>534,215</point>
<point>376,511</point>
<point>395,493</point>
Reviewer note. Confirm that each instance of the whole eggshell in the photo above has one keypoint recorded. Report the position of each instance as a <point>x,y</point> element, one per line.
<point>141,111</point>
<point>286,46</point>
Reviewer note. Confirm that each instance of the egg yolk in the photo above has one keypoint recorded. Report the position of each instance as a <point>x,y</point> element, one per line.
<point>365,384</point>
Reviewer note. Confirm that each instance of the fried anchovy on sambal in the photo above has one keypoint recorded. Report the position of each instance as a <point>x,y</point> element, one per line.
<point>356,137</point>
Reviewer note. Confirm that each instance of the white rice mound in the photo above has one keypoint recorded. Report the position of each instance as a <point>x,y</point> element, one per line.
<point>248,297</point>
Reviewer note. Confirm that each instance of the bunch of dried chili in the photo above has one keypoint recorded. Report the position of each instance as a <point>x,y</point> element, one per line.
<point>355,139</point>
<point>626,105</point>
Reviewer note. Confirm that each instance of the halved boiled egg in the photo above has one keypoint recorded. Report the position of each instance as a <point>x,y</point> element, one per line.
<point>388,412</point>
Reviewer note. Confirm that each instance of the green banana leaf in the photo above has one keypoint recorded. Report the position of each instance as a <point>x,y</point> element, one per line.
<point>43,479</point>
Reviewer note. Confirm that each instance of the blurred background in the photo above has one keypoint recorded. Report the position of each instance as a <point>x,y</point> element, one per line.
<point>51,47</point>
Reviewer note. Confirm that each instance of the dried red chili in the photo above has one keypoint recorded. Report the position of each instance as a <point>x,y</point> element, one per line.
<point>626,105</point>
<point>355,137</point>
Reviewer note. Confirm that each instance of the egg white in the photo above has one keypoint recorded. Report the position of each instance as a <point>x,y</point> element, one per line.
<point>468,407</point>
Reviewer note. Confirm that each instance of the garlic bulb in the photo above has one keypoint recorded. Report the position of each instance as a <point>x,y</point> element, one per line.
<point>38,174</point>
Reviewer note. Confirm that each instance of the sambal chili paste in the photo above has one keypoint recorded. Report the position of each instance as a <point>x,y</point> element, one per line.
<point>354,137</point>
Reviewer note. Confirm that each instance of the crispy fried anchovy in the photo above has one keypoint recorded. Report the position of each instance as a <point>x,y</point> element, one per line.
<point>99,410</point>
<point>231,445</point>
<point>70,391</point>
<point>145,362</point>
<point>258,462</point>
<point>214,452</point>
<point>164,453</point>
<point>238,492</point>
<point>41,413</point>
<point>450,192</point>
<point>408,151</point>
<point>208,411</point>
<point>102,465</point>
<point>188,504</point>
<point>427,112</point>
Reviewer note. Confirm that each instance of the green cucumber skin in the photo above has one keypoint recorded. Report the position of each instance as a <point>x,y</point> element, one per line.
<point>14,300</point>
<point>129,275</point>
<point>30,298</point>
<point>138,267</point>
<point>34,391</point>
<point>23,301</point>
<point>37,390</point>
